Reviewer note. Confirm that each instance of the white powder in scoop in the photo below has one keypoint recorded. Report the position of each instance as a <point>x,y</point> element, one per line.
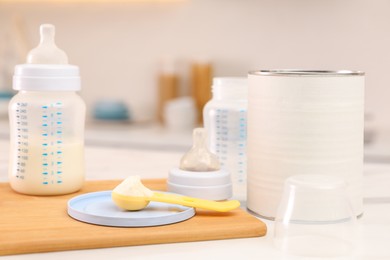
<point>132,186</point>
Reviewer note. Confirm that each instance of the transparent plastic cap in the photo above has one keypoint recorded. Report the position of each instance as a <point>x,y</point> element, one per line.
<point>47,51</point>
<point>199,158</point>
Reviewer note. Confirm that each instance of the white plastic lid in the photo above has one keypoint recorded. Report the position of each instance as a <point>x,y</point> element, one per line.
<point>46,68</point>
<point>230,88</point>
<point>189,178</point>
<point>215,185</point>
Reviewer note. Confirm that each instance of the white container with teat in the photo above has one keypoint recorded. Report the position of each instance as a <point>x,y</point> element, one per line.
<point>199,174</point>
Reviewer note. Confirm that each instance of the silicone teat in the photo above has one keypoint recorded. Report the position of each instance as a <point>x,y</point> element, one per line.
<point>47,51</point>
<point>199,158</point>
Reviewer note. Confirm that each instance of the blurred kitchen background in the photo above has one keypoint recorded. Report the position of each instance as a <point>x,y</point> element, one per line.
<point>123,47</point>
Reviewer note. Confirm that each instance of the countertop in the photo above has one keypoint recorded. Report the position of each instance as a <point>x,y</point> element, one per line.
<point>109,162</point>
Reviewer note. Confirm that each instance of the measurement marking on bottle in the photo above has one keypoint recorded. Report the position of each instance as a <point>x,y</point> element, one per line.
<point>51,144</point>
<point>229,140</point>
<point>59,150</point>
<point>21,139</point>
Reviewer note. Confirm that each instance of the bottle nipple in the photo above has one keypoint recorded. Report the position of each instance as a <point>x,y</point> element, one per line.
<point>199,158</point>
<point>47,51</point>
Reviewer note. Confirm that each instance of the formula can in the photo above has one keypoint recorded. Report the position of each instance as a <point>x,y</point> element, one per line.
<point>303,122</point>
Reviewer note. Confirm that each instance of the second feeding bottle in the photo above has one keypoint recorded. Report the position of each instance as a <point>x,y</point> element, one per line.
<point>225,119</point>
<point>46,123</point>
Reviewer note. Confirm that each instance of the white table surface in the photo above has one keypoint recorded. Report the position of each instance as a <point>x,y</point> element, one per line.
<point>118,163</point>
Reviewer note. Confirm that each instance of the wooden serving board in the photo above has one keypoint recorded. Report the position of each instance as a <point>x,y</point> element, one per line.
<point>31,224</point>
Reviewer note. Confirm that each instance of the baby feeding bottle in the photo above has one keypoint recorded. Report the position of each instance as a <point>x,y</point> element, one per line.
<point>46,122</point>
<point>225,119</point>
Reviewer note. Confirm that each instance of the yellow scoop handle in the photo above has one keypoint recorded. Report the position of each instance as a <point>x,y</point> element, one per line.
<point>222,206</point>
<point>137,203</point>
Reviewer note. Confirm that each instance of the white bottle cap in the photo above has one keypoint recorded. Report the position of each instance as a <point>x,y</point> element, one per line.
<point>215,185</point>
<point>230,88</point>
<point>46,68</point>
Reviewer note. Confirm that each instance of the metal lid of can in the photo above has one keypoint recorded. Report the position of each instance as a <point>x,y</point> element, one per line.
<point>306,73</point>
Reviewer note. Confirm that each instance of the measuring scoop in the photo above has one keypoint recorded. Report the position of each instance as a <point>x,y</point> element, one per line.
<point>139,202</point>
<point>131,194</point>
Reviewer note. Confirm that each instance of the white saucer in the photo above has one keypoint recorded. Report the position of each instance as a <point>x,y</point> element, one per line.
<point>98,208</point>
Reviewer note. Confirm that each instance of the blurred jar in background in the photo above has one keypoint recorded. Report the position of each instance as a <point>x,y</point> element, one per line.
<point>168,85</point>
<point>180,114</point>
<point>201,81</point>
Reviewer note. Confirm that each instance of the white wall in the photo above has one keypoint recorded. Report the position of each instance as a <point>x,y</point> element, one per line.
<point>118,45</point>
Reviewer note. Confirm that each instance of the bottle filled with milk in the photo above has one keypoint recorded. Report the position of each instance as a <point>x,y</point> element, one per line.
<point>46,122</point>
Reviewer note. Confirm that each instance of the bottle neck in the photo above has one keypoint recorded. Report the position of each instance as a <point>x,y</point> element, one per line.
<point>230,92</point>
